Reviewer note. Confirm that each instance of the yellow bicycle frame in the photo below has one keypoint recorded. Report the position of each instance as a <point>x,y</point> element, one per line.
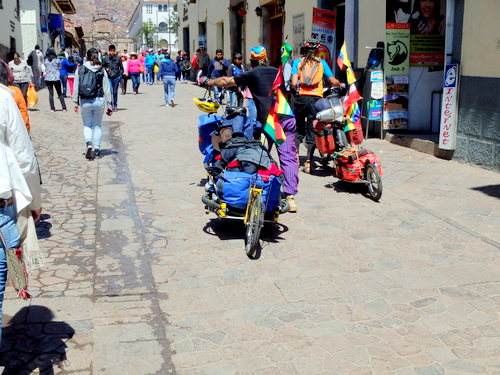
<point>253,192</point>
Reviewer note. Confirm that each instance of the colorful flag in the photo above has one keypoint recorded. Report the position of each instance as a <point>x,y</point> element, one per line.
<point>278,80</point>
<point>282,106</point>
<point>273,127</point>
<point>353,113</point>
<point>345,64</point>
<point>352,96</point>
<point>286,52</point>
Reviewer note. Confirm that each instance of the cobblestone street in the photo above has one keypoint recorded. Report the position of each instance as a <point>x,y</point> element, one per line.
<point>139,280</point>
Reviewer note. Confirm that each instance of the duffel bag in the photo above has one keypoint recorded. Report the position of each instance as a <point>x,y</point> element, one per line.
<point>233,188</point>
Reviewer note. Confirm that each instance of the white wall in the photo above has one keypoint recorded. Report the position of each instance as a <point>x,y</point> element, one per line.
<point>6,16</point>
<point>371,27</point>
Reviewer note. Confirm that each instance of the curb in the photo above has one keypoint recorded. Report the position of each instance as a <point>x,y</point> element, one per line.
<point>423,145</point>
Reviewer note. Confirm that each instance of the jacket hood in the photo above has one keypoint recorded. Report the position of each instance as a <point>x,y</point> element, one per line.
<point>89,65</point>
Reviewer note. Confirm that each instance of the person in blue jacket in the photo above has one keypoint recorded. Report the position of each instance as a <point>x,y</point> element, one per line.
<point>67,67</point>
<point>168,71</point>
<point>149,63</point>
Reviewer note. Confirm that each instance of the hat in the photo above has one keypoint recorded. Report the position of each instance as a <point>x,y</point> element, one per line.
<point>133,53</point>
<point>286,52</point>
<point>150,50</point>
<point>258,53</point>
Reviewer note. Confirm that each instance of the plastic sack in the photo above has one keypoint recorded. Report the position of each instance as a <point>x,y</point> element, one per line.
<point>31,96</point>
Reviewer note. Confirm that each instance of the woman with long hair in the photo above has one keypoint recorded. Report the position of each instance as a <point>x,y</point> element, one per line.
<point>51,71</point>
<point>426,18</point>
<point>22,73</point>
<point>124,80</point>
<point>92,93</point>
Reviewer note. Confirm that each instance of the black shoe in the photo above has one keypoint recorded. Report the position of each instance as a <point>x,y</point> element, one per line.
<point>97,153</point>
<point>88,154</point>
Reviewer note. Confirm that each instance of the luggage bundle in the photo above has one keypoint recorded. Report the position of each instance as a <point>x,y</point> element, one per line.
<point>324,135</point>
<point>351,162</point>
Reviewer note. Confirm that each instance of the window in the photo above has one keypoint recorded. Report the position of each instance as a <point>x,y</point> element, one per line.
<point>163,27</point>
<point>160,8</point>
<point>149,9</point>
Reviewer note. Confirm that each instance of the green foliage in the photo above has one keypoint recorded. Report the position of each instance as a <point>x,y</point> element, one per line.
<point>148,31</point>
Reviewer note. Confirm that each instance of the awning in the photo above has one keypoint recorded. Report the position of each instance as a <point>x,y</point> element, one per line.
<point>66,6</point>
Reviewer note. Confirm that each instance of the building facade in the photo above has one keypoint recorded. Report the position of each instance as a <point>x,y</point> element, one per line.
<point>103,35</point>
<point>154,24</point>
<point>10,27</point>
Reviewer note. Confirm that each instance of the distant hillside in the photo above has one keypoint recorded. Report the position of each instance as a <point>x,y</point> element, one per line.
<point>120,10</point>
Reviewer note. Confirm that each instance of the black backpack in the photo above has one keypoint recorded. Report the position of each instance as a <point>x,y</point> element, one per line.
<point>90,83</point>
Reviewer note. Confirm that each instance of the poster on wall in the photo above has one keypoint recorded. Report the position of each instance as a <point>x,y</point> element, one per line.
<point>448,126</point>
<point>298,33</point>
<point>44,16</point>
<point>427,28</point>
<point>324,23</point>
<point>396,70</point>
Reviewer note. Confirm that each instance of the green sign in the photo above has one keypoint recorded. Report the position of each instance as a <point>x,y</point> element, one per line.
<point>397,51</point>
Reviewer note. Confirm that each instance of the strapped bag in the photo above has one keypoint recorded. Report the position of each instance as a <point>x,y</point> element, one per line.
<point>16,270</point>
<point>311,73</point>
<point>90,83</point>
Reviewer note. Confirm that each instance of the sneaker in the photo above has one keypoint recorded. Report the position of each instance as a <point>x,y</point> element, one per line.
<point>88,154</point>
<point>172,103</point>
<point>65,110</point>
<point>307,167</point>
<point>291,203</point>
<point>97,153</point>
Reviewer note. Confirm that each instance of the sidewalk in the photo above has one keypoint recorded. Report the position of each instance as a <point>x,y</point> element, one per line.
<point>139,280</point>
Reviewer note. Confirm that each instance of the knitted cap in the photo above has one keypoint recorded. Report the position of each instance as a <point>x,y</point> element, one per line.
<point>258,53</point>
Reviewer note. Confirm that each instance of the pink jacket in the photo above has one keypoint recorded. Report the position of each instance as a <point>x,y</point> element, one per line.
<point>134,66</point>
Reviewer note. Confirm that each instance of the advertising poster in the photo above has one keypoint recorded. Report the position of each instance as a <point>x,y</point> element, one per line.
<point>324,23</point>
<point>374,108</point>
<point>44,16</point>
<point>448,127</point>
<point>377,83</point>
<point>396,69</point>
<point>298,33</point>
<point>427,28</point>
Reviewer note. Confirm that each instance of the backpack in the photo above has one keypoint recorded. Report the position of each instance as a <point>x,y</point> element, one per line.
<point>186,65</point>
<point>90,83</point>
<point>310,74</point>
<point>29,61</point>
<point>235,70</point>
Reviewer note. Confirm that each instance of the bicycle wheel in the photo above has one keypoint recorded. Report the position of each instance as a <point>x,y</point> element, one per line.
<point>254,225</point>
<point>372,175</point>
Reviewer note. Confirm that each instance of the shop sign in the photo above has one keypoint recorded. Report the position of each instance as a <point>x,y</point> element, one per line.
<point>377,84</point>
<point>324,23</point>
<point>448,128</point>
<point>202,41</point>
<point>374,109</point>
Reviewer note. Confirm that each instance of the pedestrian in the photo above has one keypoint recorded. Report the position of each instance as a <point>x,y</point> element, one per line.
<point>169,70</point>
<point>7,79</point>
<point>218,68</point>
<point>124,80</point>
<point>309,71</point>
<point>259,80</point>
<point>20,192</point>
<point>114,67</point>
<point>92,94</point>
<point>235,69</point>
<point>67,67</point>
<point>194,65</point>
<point>185,68</point>
<point>134,67</point>
<point>142,61</point>
<point>179,59</point>
<point>149,64</point>
<point>51,71</point>
<point>35,60</point>
<point>22,73</point>
<point>70,68</point>
<point>203,61</point>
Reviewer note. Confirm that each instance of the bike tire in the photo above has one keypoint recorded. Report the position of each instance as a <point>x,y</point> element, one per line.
<point>372,176</point>
<point>254,225</point>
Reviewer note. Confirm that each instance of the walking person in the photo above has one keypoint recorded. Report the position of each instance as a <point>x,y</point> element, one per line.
<point>114,67</point>
<point>149,63</point>
<point>7,79</point>
<point>169,70</point>
<point>218,68</point>
<point>67,67</point>
<point>51,71</point>
<point>124,80</point>
<point>22,73</point>
<point>20,192</point>
<point>134,67</point>
<point>142,61</point>
<point>35,60</point>
<point>235,69</point>
<point>185,68</point>
<point>194,65</point>
<point>92,94</point>
<point>71,73</point>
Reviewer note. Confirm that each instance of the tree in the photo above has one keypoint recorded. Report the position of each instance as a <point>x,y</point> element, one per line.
<point>148,31</point>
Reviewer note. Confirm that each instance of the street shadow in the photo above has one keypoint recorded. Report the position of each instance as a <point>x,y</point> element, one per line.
<point>43,227</point>
<point>203,181</point>
<point>347,188</point>
<point>491,190</point>
<point>33,341</point>
<point>108,152</point>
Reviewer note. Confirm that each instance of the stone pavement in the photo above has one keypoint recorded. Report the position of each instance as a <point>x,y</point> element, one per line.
<point>138,280</point>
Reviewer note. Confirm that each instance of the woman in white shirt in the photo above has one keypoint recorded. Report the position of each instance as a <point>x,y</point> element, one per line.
<point>19,179</point>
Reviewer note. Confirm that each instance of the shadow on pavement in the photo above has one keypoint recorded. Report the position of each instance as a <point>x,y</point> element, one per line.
<point>108,152</point>
<point>33,341</point>
<point>491,190</point>
<point>43,227</point>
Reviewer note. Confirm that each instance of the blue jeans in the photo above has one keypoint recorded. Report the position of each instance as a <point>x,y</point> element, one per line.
<point>252,109</point>
<point>218,93</point>
<point>11,237</point>
<point>136,81</point>
<point>92,111</point>
<point>114,83</point>
<point>64,81</point>
<point>169,89</point>
<point>150,75</point>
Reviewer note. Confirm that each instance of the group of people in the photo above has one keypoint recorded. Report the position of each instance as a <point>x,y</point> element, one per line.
<point>303,85</point>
